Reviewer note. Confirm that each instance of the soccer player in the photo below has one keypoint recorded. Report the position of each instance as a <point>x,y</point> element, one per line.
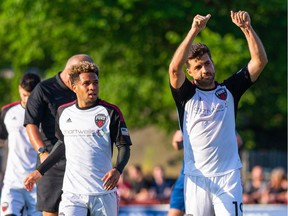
<point>88,127</point>
<point>40,125</point>
<point>207,113</point>
<point>22,157</point>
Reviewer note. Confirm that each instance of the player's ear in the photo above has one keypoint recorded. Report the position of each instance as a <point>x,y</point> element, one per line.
<point>189,71</point>
<point>73,87</point>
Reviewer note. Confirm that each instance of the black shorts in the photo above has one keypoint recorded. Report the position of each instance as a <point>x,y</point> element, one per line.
<point>49,188</point>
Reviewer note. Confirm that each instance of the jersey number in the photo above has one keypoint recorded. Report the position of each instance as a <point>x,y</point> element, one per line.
<point>236,208</point>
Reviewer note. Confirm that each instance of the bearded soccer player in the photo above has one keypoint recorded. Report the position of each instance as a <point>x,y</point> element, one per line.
<point>207,114</point>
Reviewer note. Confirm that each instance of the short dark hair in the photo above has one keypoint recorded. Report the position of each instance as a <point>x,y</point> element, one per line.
<point>29,81</point>
<point>82,67</point>
<point>197,50</point>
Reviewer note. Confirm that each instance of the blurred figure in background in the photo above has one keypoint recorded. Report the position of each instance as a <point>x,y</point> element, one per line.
<point>276,191</point>
<point>139,184</point>
<point>161,186</point>
<point>254,188</point>
<point>177,205</point>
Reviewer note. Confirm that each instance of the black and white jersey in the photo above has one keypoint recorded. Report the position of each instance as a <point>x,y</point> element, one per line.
<point>42,106</point>
<point>89,135</point>
<point>22,157</point>
<point>207,120</point>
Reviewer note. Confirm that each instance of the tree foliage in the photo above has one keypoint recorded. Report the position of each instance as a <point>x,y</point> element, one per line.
<point>133,42</point>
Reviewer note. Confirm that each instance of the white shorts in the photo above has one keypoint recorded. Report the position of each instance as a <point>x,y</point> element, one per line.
<point>77,204</point>
<point>18,202</point>
<point>219,196</point>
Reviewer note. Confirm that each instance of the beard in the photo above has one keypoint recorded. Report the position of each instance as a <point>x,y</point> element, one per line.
<point>206,83</point>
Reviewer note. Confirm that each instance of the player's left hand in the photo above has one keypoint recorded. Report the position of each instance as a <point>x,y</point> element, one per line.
<point>111,179</point>
<point>241,19</point>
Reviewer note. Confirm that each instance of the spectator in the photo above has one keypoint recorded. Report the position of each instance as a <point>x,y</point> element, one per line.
<point>254,188</point>
<point>161,186</point>
<point>139,184</point>
<point>276,191</point>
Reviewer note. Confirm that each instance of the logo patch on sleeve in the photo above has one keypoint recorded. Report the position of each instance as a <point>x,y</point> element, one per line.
<point>124,132</point>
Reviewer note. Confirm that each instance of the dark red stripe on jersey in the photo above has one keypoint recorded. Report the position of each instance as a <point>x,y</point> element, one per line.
<point>10,105</point>
<point>67,104</point>
<point>104,103</point>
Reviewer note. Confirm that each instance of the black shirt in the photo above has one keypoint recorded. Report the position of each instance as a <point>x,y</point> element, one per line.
<point>42,107</point>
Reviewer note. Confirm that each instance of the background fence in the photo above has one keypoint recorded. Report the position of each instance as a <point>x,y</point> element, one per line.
<point>265,158</point>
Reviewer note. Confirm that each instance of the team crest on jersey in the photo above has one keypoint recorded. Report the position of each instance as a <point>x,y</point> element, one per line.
<point>221,94</point>
<point>4,206</point>
<point>100,120</point>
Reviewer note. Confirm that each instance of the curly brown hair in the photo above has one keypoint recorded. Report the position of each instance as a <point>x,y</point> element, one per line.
<point>82,67</point>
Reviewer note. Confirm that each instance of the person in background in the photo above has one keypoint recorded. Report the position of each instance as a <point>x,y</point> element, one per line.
<point>207,118</point>
<point>87,130</point>
<point>276,191</point>
<point>253,189</point>
<point>22,157</point>
<point>139,184</point>
<point>177,204</point>
<point>160,187</point>
<point>40,125</point>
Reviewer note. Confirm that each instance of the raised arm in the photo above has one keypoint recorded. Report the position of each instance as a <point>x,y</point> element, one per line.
<point>257,52</point>
<point>176,73</point>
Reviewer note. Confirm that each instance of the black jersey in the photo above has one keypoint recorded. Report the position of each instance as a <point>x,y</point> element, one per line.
<point>42,107</point>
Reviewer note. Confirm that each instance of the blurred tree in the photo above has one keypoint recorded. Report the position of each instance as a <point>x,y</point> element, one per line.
<point>133,41</point>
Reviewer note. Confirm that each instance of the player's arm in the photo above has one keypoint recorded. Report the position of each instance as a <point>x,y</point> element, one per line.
<point>257,52</point>
<point>176,73</point>
<point>177,140</point>
<point>36,140</point>
<point>111,178</point>
<point>122,157</point>
<point>120,136</point>
<point>55,155</point>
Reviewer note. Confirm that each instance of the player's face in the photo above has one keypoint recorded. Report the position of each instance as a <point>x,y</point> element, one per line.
<point>23,96</point>
<point>203,72</point>
<point>86,89</point>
